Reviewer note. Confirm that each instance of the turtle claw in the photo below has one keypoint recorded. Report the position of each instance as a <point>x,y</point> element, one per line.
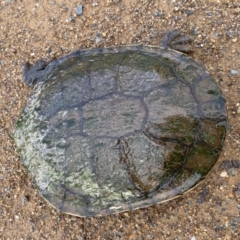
<point>32,73</point>
<point>174,40</point>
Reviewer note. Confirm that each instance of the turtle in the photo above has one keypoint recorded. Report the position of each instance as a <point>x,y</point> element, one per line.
<point>116,129</point>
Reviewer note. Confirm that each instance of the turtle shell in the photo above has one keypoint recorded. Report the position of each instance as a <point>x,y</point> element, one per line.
<point>115,129</point>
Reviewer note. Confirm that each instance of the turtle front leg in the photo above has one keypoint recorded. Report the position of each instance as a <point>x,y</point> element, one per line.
<point>33,73</point>
<point>173,39</point>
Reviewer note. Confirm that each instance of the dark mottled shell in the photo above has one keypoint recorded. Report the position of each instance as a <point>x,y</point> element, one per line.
<point>110,130</point>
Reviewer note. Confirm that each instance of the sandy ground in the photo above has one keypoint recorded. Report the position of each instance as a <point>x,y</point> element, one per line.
<point>30,30</point>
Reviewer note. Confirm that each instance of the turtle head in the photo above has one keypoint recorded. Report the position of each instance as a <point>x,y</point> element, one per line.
<point>32,73</point>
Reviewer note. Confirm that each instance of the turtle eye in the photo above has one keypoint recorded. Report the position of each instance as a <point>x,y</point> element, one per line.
<point>212,92</point>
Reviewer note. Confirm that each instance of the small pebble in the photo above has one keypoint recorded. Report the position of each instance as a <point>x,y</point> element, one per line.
<point>71,19</point>
<point>98,39</point>
<point>234,225</point>
<point>237,10</point>
<point>234,72</point>
<point>232,172</point>
<point>189,12</point>
<point>226,164</point>
<point>193,238</point>
<point>228,34</point>
<point>223,174</point>
<point>235,163</point>
<point>237,189</point>
<point>195,31</point>
<point>79,10</point>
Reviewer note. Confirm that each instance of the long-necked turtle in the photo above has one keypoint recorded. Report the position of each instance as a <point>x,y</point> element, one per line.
<point>114,129</point>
